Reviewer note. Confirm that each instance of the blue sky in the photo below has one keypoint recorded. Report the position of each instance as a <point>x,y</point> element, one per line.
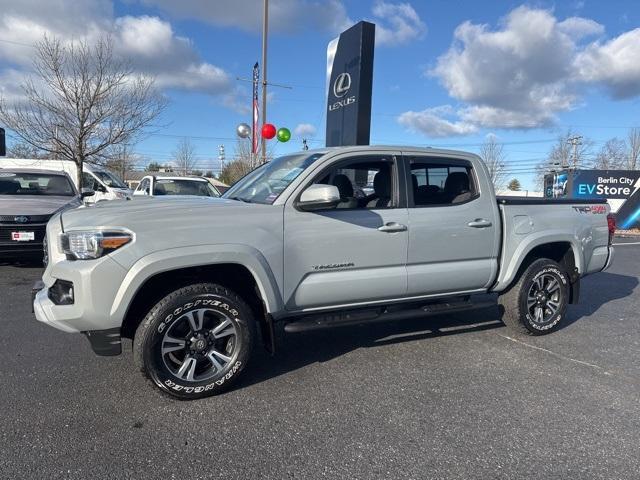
<point>445,74</point>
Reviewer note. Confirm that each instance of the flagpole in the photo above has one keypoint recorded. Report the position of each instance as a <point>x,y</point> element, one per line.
<point>265,24</point>
<point>254,115</point>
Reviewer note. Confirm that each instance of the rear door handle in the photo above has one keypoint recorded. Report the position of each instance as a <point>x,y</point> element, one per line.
<point>392,227</point>
<point>479,223</point>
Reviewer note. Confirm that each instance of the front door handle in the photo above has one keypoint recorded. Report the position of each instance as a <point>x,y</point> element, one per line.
<point>392,227</point>
<point>479,223</point>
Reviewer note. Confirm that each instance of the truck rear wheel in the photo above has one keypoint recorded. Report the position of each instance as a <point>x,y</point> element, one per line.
<point>196,341</point>
<point>537,302</point>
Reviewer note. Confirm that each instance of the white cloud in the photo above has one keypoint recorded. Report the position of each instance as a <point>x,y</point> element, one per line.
<point>397,24</point>
<point>526,71</point>
<point>284,15</point>
<point>520,67</point>
<point>304,130</point>
<point>10,85</point>
<point>431,122</point>
<point>614,64</point>
<point>579,27</point>
<point>148,42</point>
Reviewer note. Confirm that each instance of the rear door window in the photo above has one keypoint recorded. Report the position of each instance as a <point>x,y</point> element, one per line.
<point>440,182</point>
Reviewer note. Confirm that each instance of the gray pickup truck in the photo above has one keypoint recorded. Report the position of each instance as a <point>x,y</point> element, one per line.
<point>311,240</point>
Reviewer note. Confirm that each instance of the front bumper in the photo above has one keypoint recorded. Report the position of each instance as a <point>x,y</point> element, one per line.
<point>103,342</point>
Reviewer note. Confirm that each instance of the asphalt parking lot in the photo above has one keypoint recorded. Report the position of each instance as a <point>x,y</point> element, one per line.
<point>455,396</point>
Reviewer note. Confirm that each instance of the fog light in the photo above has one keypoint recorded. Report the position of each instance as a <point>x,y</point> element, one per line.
<point>61,293</point>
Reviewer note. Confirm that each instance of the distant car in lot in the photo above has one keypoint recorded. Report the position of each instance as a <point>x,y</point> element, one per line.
<point>155,185</point>
<point>28,198</point>
<point>104,183</point>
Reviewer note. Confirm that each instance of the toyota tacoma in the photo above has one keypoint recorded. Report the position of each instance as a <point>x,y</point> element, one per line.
<point>311,240</point>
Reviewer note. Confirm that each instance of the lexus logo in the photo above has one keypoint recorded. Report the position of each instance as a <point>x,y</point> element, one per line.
<point>342,85</point>
<point>21,219</point>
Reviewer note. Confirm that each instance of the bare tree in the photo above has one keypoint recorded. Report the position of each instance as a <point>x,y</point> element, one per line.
<point>244,161</point>
<point>492,153</point>
<point>611,155</point>
<point>633,152</point>
<point>562,156</point>
<point>184,156</point>
<point>121,159</point>
<point>24,150</point>
<point>153,167</point>
<point>82,101</point>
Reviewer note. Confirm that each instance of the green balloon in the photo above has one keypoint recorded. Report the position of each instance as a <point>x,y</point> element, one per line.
<point>284,135</point>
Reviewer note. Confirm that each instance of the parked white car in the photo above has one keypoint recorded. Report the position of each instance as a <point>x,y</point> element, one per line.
<point>156,185</point>
<point>106,185</point>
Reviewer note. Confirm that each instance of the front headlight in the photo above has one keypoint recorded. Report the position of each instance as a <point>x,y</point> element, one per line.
<point>86,245</point>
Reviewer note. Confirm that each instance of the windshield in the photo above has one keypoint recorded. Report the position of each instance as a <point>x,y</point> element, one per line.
<point>266,183</point>
<point>110,180</point>
<point>35,184</point>
<point>170,186</point>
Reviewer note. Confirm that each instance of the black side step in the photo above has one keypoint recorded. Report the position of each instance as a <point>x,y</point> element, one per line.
<point>383,314</point>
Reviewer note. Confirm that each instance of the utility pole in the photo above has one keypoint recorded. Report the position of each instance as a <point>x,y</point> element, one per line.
<point>265,25</point>
<point>304,144</point>
<point>221,156</point>
<point>575,141</point>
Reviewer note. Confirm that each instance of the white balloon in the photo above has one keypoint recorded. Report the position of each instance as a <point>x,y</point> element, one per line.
<point>243,130</point>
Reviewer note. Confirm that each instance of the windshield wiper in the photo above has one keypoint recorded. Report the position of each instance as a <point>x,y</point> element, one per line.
<point>240,199</point>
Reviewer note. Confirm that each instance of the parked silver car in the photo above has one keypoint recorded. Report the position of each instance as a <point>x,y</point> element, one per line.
<point>28,198</point>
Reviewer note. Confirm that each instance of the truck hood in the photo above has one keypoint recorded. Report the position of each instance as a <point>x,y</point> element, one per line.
<point>35,204</point>
<point>129,213</point>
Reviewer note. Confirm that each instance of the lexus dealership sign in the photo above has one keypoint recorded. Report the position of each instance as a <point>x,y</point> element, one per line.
<point>349,83</point>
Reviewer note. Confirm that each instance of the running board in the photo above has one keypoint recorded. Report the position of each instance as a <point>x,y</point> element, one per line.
<point>359,317</point>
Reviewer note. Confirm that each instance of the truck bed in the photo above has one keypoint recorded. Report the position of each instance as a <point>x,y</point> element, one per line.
<point>529,222</point>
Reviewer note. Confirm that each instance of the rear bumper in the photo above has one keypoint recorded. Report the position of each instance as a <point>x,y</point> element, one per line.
<point>612,252</point>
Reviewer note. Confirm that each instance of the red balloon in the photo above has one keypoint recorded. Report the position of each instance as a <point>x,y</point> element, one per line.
<point>268,131</point>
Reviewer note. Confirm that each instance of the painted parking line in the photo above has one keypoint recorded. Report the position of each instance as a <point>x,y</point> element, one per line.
<point>628,243</point>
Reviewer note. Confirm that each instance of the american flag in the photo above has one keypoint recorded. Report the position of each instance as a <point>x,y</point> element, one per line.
<point>254,129</point>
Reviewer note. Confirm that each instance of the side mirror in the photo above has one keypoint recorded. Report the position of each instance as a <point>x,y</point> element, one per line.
<point>319,197</point>
<point>86,192</point>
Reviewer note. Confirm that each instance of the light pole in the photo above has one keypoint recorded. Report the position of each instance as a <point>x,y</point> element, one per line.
<point>221,156</point>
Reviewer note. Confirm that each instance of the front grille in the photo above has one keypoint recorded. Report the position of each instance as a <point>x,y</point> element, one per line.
<point>6,229</point>
<point>11,219</point>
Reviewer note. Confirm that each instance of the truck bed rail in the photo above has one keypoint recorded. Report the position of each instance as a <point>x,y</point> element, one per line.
<point>548,201</point>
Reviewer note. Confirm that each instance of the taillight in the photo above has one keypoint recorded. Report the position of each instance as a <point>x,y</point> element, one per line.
<point>611,222</point>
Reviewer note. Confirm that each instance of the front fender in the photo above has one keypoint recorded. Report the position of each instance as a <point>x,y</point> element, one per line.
<point>193,256</point>
<point>511,261</point>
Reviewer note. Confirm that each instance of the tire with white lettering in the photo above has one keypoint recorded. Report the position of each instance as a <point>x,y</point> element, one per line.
<point>196,341</point>
<point>537,302</point>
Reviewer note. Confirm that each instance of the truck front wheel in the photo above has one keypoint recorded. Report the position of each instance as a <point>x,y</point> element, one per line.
<point>537,302</point>
<point>196,341</point>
